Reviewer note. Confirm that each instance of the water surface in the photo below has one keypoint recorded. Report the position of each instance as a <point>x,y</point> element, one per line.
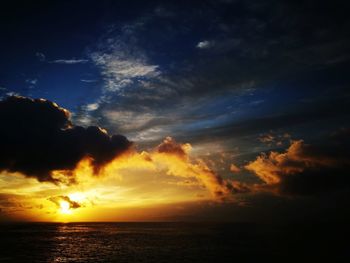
<point>168,242</point>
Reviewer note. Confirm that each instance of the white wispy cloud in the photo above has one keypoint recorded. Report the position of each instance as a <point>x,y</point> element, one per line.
<point>205,44</point>
<point>12,93</point>
<point>31,81</point>
<point>69,61</point>
<point>120,70</point>
<point>92,106</point>
<point>42,58</point>
<point>121,61</point>
<point>89,80</point>
<point>123,118</point>
<point>84,120</point>
<point>121,65</point>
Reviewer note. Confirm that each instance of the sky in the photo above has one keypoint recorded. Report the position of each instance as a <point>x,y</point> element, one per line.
<point>174,110</point>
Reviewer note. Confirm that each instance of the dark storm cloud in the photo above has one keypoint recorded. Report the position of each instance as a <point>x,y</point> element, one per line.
<point>307,169</point>
<point>37,137</point>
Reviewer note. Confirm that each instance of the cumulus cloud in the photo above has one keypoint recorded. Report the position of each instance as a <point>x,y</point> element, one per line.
<point>38,137</point>
<point>305,169</point>
<point>182,165</point>
<point>176,158</point>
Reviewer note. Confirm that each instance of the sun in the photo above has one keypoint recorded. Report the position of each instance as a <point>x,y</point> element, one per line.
<point>65,208</point>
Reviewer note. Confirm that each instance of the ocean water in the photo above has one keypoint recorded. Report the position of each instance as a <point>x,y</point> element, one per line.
<point>169,242</point>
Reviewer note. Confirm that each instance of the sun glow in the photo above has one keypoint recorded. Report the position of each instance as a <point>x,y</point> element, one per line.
<point>65,208</point>
<point>133,186</point>
<point>78,197</point>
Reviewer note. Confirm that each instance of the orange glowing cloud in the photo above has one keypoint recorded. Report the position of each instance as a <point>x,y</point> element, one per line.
<point>234,168</point>
<point>303,168</point>
<point>272,167</point>
<point>168,157</point>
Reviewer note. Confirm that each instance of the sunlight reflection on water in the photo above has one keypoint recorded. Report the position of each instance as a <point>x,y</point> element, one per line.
<point>125,242</point>
<point>148,242</point>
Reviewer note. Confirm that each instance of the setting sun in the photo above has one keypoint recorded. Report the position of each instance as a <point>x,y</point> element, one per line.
<point>65,208</point>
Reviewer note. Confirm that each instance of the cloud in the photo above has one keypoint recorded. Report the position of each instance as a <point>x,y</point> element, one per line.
<point>69,61</point>
<point>122,65</point>
<point>131,69</point>
<point>92,106</point>
<point>204,44</point>
<point>9,201</point>
<point>58,199</point>
<point>305,169</point>
<point>267,138</point>
<point>119,70</point>
<point>305,115</point>
<point>31,81</point>
<point>12,93</point>
<point>177,161</point>
<point>234,168</point>
<point>182,165</point>
<point>172,159</point>
<point>170,146</point>
<point>89,80</point>
<point>42,58</point>
<point>120,59</point>
<point>38,137</point>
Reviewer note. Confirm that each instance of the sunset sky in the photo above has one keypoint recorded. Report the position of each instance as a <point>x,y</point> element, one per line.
<point>174,110</point>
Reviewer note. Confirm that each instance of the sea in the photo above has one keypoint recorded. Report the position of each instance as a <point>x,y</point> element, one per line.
<point>172,242</point>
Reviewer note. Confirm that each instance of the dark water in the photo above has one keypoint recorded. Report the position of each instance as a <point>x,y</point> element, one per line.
<point>172,242</point>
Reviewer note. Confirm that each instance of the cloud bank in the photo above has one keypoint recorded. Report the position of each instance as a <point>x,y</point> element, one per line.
<point>39,140</point>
